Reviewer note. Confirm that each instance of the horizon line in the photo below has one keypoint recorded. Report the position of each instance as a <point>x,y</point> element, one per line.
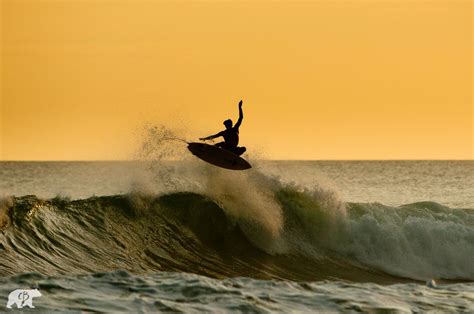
<point>142,160</point>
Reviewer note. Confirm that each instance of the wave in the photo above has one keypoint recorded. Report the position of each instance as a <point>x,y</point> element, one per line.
<point>237,224</point>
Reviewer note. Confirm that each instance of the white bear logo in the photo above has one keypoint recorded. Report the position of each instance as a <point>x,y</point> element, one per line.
<point>22,297</point>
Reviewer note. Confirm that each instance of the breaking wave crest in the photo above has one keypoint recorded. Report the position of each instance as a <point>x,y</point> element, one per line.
<point>230,224</point>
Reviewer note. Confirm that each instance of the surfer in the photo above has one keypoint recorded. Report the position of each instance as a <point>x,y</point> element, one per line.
<point>230,135</point>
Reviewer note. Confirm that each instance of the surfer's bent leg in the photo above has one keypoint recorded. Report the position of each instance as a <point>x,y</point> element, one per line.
<point>236,150</point>
<point>225,146</point>
<point>221,145</point>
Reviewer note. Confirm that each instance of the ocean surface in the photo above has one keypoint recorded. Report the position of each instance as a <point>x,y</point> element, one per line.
<point>150,236</point>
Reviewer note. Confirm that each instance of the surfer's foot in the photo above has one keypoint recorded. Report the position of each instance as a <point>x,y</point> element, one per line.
<point>240,150</point>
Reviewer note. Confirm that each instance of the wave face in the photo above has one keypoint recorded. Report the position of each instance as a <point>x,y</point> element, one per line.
<point>238,225</point>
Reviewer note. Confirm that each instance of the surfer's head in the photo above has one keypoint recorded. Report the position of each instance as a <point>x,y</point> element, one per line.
<point>228,123</point>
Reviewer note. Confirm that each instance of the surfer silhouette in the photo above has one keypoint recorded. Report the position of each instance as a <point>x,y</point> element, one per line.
<point>230,135</point>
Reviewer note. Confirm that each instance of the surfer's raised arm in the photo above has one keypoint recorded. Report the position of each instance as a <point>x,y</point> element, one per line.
<point>241,116</point>
<point>212,136</point>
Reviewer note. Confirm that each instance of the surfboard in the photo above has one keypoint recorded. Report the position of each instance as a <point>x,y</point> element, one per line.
<point>218,156</point>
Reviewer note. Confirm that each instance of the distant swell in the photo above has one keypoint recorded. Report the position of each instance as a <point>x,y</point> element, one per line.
<point>315,237</point>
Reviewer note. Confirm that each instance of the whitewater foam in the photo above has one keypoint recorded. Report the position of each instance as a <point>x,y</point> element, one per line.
<point>413,241</point>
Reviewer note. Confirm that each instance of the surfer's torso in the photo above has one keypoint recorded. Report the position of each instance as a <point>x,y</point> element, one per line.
<point>231,136</point>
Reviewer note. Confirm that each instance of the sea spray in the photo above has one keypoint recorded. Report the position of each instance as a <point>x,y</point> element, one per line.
<point>248,198</point>
<point>312,219</point>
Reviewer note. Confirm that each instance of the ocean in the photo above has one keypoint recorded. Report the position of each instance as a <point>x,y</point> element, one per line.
<point>284,236</point>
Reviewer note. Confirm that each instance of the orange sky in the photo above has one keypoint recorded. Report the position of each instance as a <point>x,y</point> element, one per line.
<point>319,79</point>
